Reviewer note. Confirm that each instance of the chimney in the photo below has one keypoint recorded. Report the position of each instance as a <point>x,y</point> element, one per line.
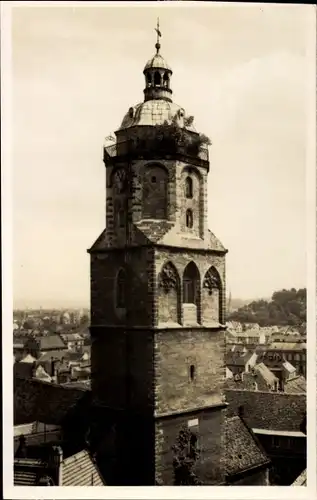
<point>22,449</point>
<point>57,459</point>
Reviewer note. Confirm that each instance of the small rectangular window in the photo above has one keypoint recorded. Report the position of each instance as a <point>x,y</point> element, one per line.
<point>193,423</point>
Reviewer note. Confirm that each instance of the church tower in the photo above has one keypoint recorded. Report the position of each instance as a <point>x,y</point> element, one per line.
<point>158,295</point>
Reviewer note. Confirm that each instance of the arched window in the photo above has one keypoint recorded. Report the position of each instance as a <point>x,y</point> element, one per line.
<point>189,187</point>
<point>212,280</point>
<point>121,289</point>
<point>157,79</point>
<point>191,284</point>
<point>192,372</point>
<point>189,218</point>
<point>149,79</point>
<point>166,79</point>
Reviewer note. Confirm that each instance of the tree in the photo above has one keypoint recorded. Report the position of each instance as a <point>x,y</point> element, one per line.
<point>186,454</point>
<point>287,307</point>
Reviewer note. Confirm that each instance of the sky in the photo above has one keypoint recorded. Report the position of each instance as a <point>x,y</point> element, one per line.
<point>241,70</point>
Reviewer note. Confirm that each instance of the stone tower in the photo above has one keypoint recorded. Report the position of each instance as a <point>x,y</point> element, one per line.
<point>158,294</point>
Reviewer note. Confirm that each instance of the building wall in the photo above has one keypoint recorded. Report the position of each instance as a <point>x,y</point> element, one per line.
<point>210,308</point>
<point>104,269</point>
<point>209,432</point>
<point>175,352</point>
<point>168,200</point>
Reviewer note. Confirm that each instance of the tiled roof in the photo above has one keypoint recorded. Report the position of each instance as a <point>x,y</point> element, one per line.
<point>241,450</point>
<point>43,401</point>
<point>288,346</point>
<point>71,337</point>
<point>56,355</point>
<point>237,358</point>
<point>268,376</point>
<point>80,470</point>
<point>25,477</point>
<point>301,480</point>
<point>268,410</point>
<point>157,61</point>
<point>296,385</point>
<point>248,381</point>
<point>51,342</point>
<point>289,367</point>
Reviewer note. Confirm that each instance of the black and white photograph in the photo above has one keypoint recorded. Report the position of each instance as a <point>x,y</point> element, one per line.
<point>159,203</point>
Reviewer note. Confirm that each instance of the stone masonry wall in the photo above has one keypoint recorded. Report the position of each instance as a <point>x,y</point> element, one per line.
<point>104,270</point>
<point>175,351</point>
<point>211,309</point>
<point>209,431</point>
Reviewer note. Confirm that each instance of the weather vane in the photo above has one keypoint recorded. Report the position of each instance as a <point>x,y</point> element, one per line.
<point>159,34</point>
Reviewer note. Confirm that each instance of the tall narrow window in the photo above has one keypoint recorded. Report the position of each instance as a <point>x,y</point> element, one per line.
<point>190,284</point>
<point>189,218</point>
<point>157,79</point>
<point>192,372</point>
<point>121,217</point>
<point>189,187</point>
<point>121,289</point>
<point>166,80</point>
<point>149,79</point>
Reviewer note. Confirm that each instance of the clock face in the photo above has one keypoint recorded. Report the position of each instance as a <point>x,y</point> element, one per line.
<point>120,181</point>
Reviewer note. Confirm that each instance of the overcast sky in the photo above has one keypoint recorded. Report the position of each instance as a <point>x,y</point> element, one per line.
<point>241,70</point>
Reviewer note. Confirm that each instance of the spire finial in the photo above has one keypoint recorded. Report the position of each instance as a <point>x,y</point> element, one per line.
<point>159,34</point>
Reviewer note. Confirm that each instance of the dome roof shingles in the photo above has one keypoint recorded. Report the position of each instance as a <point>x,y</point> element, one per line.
<point>158,62</point>
<point>155,112</point>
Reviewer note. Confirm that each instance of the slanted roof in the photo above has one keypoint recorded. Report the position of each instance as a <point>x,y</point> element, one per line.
<point>296,385</point>
<point>301,480</point>
<point>25,477</point>
<point>71,337</point>
<point>56,355</point>
<point>288,346</point>
<point>249,333</point>
<point>151,232</point>
<point>241,450</point>
<point>80,470</point>
<point>28,359</point>
<point>265,373</point>
<point>51,342</point>
<point>289,367</point>
<point>268,410</point>
<point>43,401</point>
<point>238,358</point>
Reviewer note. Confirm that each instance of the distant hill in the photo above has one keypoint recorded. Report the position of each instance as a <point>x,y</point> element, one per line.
<point>234,304</point>
<point>286,307</point>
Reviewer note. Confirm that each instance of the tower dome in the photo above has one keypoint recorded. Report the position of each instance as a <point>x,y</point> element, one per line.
<point>157,107</point>
<point>157,75</point>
